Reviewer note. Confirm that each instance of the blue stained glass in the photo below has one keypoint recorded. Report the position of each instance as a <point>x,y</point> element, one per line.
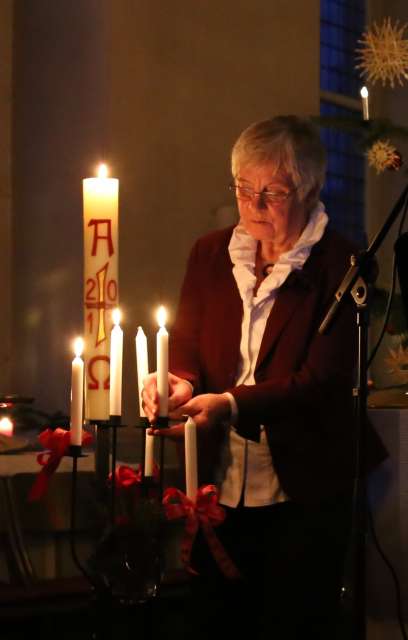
<point>341,26</point>
<point>342,23</point>
<point>343,192</point>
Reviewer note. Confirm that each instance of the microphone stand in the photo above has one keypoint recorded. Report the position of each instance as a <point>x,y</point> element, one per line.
<point>355,282</point>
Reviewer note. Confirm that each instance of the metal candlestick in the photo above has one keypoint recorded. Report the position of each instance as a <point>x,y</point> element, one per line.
<point>75,452</point>
<point>162,422</point>
<point>102,452</point>
<point>114,423</point>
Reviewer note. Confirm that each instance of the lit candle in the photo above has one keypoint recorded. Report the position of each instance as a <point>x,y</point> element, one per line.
<point>190,443</point>
<point>101,253</point>
<point>77,394</point>
<point>364,99</point>
<point>162,350</point>
<point>6,427</point>
<point>116,353</point>
<point>142,363</point>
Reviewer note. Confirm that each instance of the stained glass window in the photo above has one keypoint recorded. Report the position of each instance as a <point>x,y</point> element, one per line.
<point>342,24</point>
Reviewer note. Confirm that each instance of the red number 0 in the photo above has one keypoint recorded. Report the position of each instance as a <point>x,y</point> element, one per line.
<point>112,290</point>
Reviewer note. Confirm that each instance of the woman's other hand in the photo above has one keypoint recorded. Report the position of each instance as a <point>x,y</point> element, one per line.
<point>207,410</point>
<point>180,392</point>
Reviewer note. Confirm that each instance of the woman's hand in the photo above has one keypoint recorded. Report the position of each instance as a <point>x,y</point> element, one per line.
<point>180,392</point>
<point>207,410</point>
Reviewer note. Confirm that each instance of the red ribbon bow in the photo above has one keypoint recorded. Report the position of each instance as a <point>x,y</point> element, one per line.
<point>204,512</point>
<point>128,483</point>
<point>126,476</point>
<point>57,442</point>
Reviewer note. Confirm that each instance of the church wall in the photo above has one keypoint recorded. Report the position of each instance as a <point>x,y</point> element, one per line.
<point>160,91</point>
<point>59,85</point>
<point>6,57</point>
<point>187,77</point>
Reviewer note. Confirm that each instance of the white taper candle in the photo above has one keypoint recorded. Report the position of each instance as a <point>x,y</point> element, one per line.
<point>116,354</point>
<point>162,344</point>
<point>149,455</point>
<point>190,442</point>
<point>77,394</point>
<point>364,99</point>
<point>142,363</point>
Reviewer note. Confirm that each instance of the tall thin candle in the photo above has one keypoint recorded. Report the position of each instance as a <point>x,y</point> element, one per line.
<point>116,353</point>
<point>364,99</point>
<point>190,442</point>
<point>142,361</point>
<point>77,394</point>
<point>162,343</point>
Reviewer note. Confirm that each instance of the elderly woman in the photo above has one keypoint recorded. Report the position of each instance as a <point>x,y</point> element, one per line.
<point>271,397</point>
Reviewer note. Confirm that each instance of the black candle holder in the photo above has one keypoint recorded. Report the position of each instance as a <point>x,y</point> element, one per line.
<point>114,423</point>
<point>143,424</point>
<point>162,422</point>
<point>126,564</point>
<point>75,452</point>
<point>102,454</point>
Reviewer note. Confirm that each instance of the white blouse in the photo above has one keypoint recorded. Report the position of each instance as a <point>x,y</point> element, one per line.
<point>246,466</point>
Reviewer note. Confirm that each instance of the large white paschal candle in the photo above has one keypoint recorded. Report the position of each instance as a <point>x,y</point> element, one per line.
<point>162,355</point>
<point>116,356</point>
<point>77,394</point>
<point>190,444</point>
<point>364,100</point>
<point>101,287</point>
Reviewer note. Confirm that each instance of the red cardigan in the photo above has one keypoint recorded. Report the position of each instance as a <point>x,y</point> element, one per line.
<point>304,380</point>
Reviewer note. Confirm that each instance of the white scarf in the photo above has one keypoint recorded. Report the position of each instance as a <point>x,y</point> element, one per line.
<point>242,249</point>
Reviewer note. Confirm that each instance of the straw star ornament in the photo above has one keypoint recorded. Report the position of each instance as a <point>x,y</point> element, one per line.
<point>383,155</point>
<point>383,54</point>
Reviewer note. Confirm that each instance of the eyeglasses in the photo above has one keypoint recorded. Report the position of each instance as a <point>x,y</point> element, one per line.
<point>247,194</point>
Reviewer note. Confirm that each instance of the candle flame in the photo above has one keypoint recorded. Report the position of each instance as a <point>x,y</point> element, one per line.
<point>161,316</point>
<point>78,347</point>
<point>364,92</point>
<point>6,426</point>
<point>116,316</point>
<point>102,171</point>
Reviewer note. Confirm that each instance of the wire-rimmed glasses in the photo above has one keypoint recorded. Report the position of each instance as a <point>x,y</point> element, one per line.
<point>247,194</point>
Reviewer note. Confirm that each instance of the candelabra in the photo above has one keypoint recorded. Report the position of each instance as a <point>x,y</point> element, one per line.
<point>126,565</point>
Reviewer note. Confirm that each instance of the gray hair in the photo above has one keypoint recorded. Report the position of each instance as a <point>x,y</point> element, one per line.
<point>291,143</point>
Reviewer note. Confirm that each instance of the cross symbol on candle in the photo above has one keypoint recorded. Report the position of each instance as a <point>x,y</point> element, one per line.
<point>102,305</point>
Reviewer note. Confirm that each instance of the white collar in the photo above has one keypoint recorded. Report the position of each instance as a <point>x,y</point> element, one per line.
<point>242,249</point>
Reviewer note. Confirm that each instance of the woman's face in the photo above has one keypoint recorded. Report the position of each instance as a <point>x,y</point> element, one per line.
<point>275,212</point>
